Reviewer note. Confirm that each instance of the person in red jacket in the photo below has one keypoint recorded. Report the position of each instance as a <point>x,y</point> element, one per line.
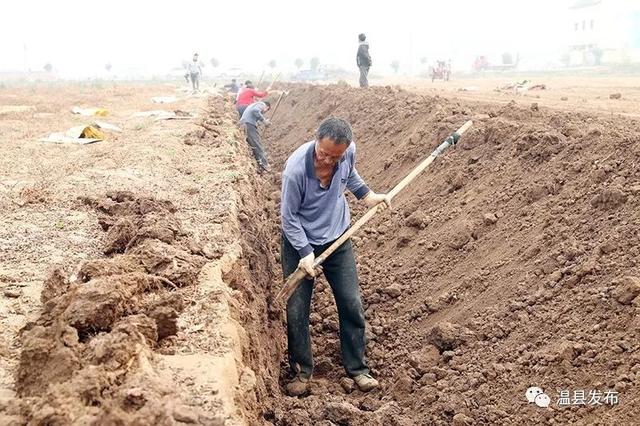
<point>247,96</point>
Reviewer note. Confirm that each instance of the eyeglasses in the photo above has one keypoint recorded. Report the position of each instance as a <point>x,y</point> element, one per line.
<point>323,155</point>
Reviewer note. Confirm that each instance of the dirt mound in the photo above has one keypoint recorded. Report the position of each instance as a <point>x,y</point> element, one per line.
<point>218,126</point>
<point>510,263</point>
<point>87,358</point>
<point>128,219</point>
<point>253,277</point>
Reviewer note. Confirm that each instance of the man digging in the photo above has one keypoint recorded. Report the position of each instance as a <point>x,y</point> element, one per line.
<point>251,116</point>
<point>247,95</point>
<point>314,213</point>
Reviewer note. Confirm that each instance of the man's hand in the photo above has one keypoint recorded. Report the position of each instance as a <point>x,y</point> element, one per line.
<point>267,122</point>
<point>372,199</point>
<point>306,264</point>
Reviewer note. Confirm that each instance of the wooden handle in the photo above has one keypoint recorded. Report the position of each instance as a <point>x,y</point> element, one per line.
<point>276,107</point>
<point>260,81</point>
<point>296,278</point>
<point>290,285</point>
<point>274,81</point>
<point>425,163</point>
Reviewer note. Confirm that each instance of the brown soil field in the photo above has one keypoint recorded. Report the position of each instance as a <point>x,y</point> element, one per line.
<point>138,272</point>
<point>115,306</point>
<point>575,93</point>
<point>510,263</point>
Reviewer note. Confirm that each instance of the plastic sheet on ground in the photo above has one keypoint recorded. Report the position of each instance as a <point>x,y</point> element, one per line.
<point>81,135</point>
<point>108,126</point>
<point>520,87</point>
<point>163,99</point>
<point>88,112</point>
<point>165,115</point>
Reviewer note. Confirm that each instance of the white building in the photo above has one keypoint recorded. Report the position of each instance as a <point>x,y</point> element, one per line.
<point>604,31</point>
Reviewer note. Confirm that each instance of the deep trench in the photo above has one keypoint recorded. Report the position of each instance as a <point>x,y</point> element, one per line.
<point>464,280</point>
<point>510,263</point>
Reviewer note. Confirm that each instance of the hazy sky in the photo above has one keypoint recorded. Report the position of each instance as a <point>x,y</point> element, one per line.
<point>80,37</point>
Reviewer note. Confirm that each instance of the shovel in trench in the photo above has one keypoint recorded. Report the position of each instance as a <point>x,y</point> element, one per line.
<point>273,111</point>
<point>298,275</point>
<point>275,108</point>
<point>274,81</point>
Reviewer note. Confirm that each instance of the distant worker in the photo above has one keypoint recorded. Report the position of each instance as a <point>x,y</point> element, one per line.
<point>242,87</point>
<point>195,72</point>
<point>363,59</point>
<point>247,96</point>
<point>251,116</point>
<point>232,87</point>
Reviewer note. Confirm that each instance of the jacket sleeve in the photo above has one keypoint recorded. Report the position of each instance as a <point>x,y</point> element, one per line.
<point>366,53</point>
<point>291,226</point>
<point>355,183</point>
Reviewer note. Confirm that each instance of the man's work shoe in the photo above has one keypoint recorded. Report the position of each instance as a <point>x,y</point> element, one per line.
<point>365,382</point>
<point>264,168</point>
<point>298,386</point>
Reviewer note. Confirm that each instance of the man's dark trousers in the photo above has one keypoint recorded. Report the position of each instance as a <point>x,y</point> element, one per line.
<point>195,81</point>
<point>364,72</point>
<point>253,139</point>
<point>240,109</point>
<point>340,271</point>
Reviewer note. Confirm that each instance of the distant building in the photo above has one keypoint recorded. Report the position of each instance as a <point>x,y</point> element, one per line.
<point>604,32</point>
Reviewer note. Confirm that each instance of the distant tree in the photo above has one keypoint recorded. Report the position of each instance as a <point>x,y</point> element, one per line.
<point>423,60</point>
<point>395,65</point>
<point>299,63</point>
<point>507,58</point>
<point>272,63</point>
<point>108,66</point>
<point>314,63</point>
<point>48,67</point>
<point>215,63</point>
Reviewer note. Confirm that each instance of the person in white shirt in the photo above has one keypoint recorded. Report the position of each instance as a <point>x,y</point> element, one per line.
<point>195,72</point>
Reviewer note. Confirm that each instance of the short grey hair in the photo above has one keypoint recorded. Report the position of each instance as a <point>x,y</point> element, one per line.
<point>335,129</point>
